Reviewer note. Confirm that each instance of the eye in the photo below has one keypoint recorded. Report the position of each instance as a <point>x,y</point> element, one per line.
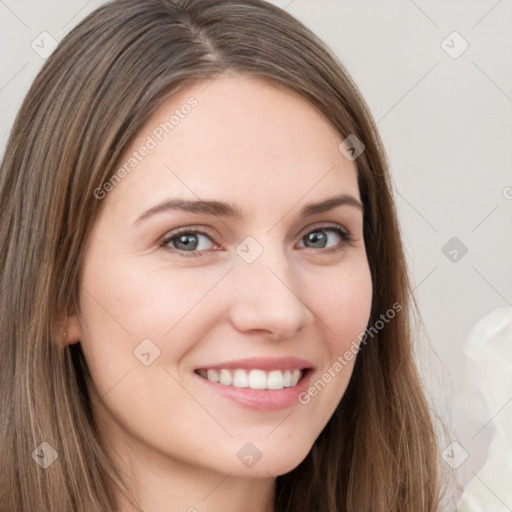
<point>192,242</point>
<point>331,238</point>
<point>188,240</point>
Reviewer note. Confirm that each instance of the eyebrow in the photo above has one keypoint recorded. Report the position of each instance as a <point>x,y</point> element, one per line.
<point>222,209</point>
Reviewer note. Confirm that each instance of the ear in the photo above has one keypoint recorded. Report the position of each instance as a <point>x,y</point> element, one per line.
<point>70,331</point>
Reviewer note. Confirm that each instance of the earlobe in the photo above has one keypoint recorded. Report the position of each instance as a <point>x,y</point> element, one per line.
<point>71,332</point>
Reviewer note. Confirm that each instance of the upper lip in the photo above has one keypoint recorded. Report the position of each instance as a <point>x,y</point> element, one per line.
<point>263,363</point>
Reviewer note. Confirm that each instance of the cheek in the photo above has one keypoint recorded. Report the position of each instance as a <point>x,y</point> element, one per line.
<point>343,302</point>
<point>122,308</point>
<point>342,305</point>
<point>135,326</point>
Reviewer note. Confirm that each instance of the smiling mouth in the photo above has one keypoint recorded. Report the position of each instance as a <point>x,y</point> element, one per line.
<point>255,378</point>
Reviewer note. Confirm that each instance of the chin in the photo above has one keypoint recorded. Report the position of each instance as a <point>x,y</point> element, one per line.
<point>273,461</point>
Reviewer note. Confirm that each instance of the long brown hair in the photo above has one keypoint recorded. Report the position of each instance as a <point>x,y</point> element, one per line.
<point>378,452</point>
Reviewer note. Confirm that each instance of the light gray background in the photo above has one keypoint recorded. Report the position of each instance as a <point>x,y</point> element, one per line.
<point>446,123</point>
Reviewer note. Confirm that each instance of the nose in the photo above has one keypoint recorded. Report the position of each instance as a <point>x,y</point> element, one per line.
<point>268,299</point>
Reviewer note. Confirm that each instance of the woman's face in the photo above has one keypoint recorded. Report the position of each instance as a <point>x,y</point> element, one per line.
<point>221,253</point>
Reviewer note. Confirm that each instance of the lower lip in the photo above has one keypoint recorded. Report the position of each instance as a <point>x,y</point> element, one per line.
<point>261,399</point>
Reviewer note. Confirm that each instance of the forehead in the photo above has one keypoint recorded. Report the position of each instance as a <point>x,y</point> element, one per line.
<point>236,138</point>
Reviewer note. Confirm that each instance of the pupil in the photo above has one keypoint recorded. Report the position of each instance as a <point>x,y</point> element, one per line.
<point>318,239</point>
<point>187,241</point>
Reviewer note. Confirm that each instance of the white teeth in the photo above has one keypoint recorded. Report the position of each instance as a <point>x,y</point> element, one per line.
<point>275,380</point>
<point>212,375</point>
<point>254,379</point>
<point>257,379</point>
<point>295,377</point>
<point>225,378</point>
<point>240,379</point>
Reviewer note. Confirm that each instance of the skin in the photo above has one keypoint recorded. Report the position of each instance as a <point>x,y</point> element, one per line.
<point>270,152</point>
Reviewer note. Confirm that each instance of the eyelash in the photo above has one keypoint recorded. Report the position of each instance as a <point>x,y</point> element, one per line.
<point>347,239</point>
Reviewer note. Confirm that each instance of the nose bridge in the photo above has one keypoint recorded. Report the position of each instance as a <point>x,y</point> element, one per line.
<point>267,293</point>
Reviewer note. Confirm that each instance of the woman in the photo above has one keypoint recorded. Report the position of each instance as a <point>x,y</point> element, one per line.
<point>205,299</point>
